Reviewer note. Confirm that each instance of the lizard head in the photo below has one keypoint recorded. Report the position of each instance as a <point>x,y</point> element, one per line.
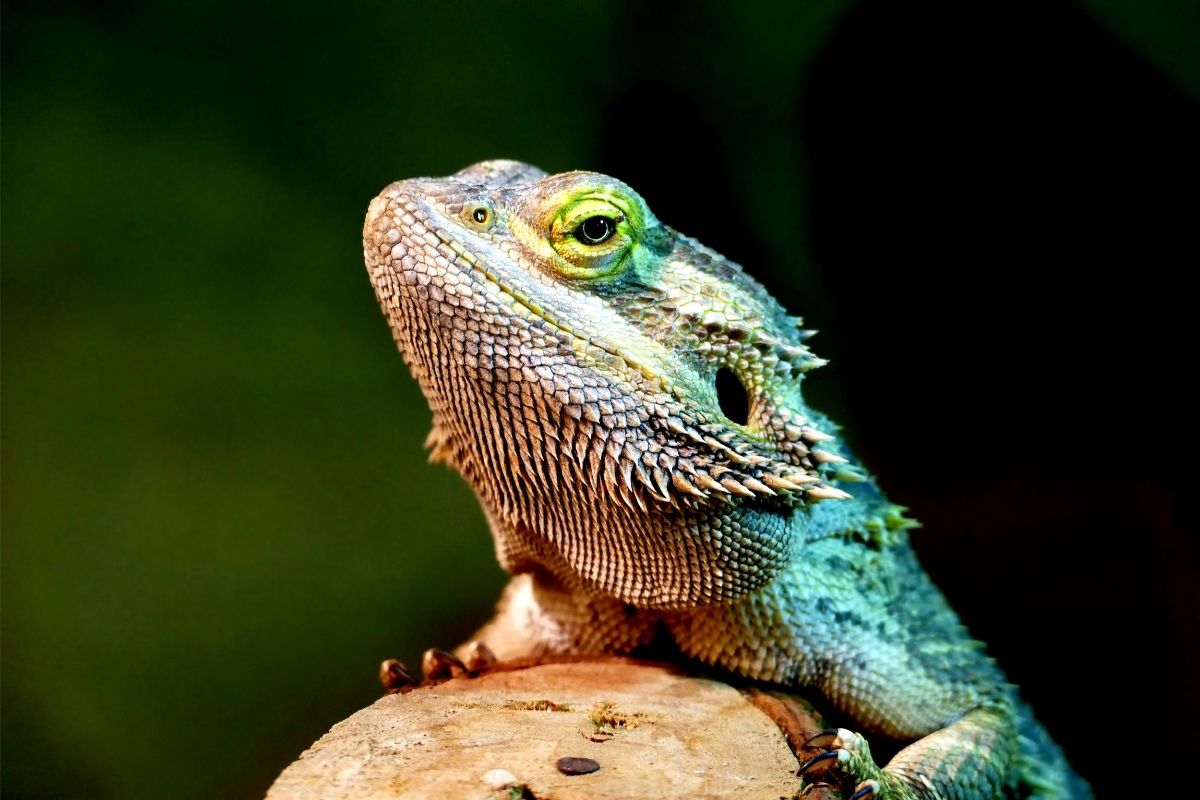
<point>624,401</point>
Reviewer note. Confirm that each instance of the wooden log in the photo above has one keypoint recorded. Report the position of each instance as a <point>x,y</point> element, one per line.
<point>597,729</point>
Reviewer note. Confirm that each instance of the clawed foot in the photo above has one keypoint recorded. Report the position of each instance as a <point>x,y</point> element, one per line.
<point>436,666</point>
<point>844,761</point>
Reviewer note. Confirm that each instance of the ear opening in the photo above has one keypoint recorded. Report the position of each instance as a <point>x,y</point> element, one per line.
<point>732,396</point>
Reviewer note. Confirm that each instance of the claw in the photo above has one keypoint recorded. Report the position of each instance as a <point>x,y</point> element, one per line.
<point>440,665</point>
<point>865,789</point>
<point>822,739</point>
<point>847,753</point>
<point>395,677</point>
<point>822,759</point>
<point>479,657</point>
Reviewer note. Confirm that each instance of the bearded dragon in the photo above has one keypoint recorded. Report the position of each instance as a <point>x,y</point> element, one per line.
<point>626,403</point>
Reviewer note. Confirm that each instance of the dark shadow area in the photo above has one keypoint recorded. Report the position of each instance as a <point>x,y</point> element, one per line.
<point>1005,212</point>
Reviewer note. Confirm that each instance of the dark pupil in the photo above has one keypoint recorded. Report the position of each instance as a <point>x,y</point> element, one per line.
<point>595,230</point>
<point>479,215</point>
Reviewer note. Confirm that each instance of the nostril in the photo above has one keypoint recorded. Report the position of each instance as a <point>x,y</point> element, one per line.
<point>732,396</point>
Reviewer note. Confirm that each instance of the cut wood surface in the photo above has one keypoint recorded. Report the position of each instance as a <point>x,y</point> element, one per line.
<point>652,733</point>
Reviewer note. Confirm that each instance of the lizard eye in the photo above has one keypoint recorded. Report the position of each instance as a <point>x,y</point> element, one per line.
<point>593,235</point>
<point>597,230</point>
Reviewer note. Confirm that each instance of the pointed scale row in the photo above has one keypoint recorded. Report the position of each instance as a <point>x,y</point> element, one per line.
<point>698,464</point>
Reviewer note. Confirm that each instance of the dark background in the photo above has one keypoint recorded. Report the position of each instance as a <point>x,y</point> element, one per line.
<point>217,516</point>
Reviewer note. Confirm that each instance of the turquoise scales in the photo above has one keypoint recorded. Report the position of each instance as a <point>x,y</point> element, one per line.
<point>578,357</point>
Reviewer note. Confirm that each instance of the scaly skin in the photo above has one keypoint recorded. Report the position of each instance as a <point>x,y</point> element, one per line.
<point>569,346</point>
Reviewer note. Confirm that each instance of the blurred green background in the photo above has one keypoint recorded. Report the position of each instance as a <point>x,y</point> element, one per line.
<point>217,515</point>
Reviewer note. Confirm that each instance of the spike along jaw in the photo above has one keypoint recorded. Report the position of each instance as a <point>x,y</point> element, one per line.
<point>624,401</point>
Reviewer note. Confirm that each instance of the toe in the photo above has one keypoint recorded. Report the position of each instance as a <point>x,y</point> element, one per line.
<point>440,665</point>
<point>395,677</point>
<point>866,789</point>
<point>478,657</point>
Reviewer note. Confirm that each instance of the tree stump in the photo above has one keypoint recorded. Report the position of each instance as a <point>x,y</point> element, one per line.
<point>609,728</point>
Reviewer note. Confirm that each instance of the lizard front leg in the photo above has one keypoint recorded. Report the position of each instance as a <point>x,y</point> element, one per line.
<point>866,628</point>
<point>943,764</point>
<point>536,617</point>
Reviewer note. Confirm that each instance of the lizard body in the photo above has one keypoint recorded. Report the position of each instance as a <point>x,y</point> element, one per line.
<point>626,404</point>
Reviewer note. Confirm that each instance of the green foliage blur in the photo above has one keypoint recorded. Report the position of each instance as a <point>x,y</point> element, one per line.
<point>217,514</point>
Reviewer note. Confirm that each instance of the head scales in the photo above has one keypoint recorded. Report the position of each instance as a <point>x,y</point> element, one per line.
<point>573,381</point>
